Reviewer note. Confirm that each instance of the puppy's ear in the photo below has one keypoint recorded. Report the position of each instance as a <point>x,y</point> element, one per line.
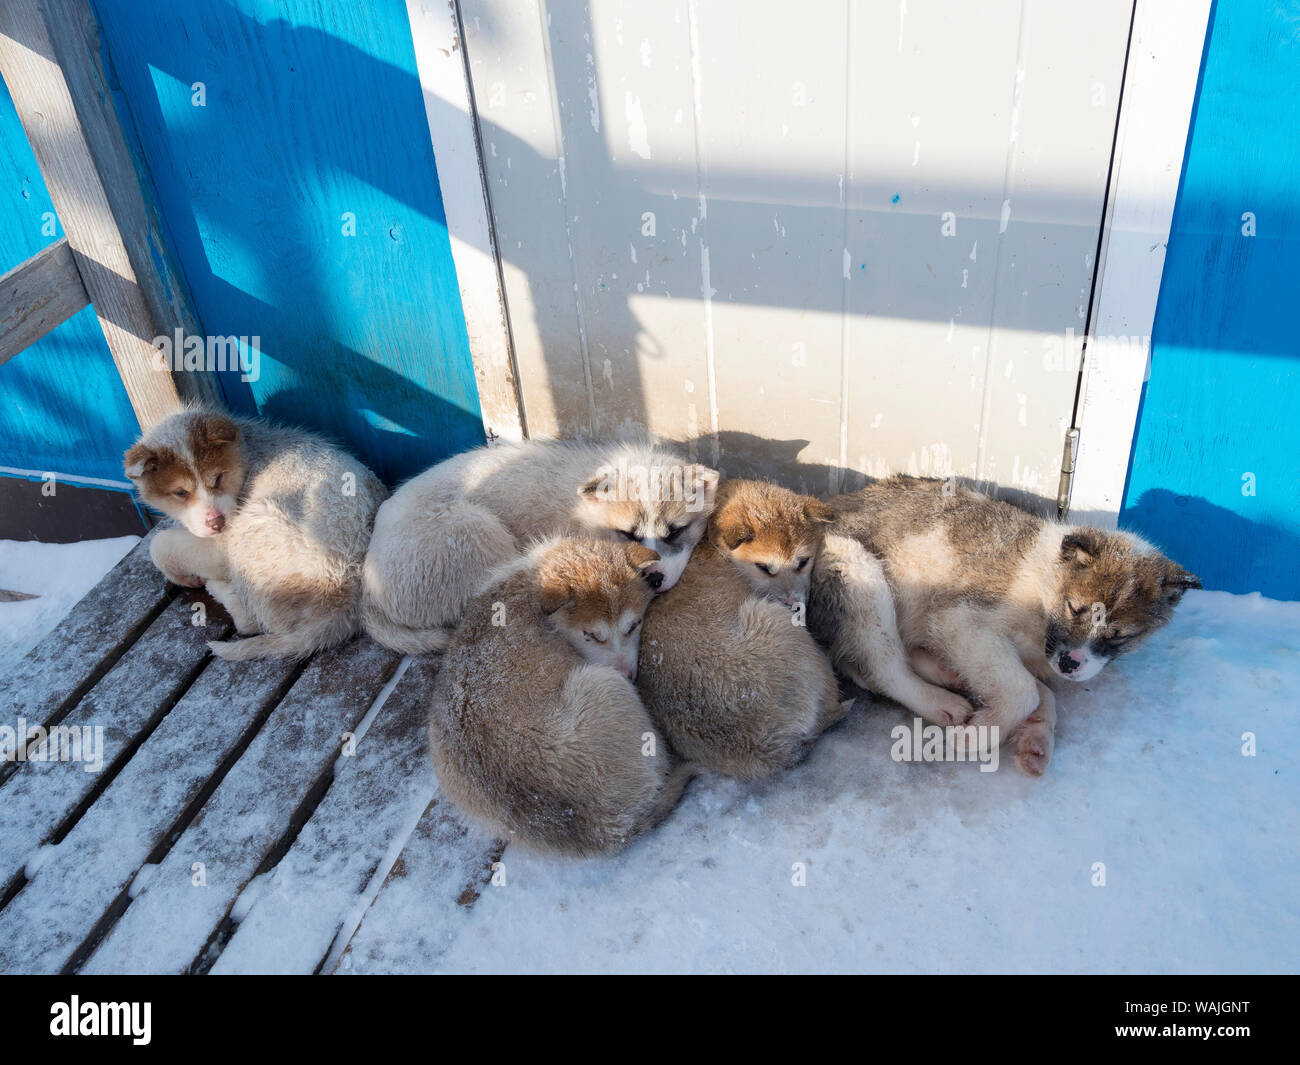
<point>1081,546</point>
<point>1175,581</point>
<point>817,511</point>
<point>640,555</point>
<point>705,480</point>
<point>731,527</point>
<point>138,461</point>
<point>216,429</point>
<point>600,487</point>
<point>553,594</point>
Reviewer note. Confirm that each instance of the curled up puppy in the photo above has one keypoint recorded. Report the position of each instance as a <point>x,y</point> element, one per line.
<point>443,531</point>
<point>728,670</point>
<point>273,521</point>
<point>535,726</point>
<point>925,586</point>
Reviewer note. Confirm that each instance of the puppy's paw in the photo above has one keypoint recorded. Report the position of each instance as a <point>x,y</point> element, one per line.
<point>934,670</point>
<point>1032,748</point>
<point>947,708</point>
<point>185,580</point>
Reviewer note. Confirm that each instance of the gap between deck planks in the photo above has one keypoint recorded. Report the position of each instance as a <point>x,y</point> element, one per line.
<point>234,767</point>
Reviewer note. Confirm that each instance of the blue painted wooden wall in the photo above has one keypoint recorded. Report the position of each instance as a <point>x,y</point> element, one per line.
<point>1215,471</point>
<point>62,405</point>
<point>312,110</point>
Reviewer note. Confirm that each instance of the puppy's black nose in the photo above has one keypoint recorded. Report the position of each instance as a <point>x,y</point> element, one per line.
<point>1067,662</point>
<point>655,579</point>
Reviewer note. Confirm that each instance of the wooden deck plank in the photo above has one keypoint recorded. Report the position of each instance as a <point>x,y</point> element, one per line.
<point>319,886</point>
<point>83,647</point>
<point>425,901</point>
<point>41,796</point>
<point>82,885</point>
<point>237,832</point>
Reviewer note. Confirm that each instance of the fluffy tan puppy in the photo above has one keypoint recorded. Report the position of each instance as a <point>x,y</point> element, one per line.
<point>536,728</point>
<point>728,671</point>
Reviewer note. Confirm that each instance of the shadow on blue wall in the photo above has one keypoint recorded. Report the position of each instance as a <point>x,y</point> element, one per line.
<point>362,336</point>
<point>1213,473</point>
<point>1227,551</point>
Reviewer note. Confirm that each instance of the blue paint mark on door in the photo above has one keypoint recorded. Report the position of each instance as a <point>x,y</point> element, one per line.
<point>1215,468</point>
<point>291,163</point>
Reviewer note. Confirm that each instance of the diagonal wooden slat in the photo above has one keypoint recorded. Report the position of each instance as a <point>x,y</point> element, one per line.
<point>37,296</point>
<point>261,799</point>
<point>49,117</point>
<point>82,57</point>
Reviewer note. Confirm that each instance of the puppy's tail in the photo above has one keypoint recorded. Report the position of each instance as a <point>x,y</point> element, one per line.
<point>669,795</point>
<point>398,637</point>
<point>329,630</point>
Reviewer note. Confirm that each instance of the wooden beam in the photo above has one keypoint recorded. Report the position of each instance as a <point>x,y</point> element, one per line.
<point>37,296</point>
<point>45,107</point>
<point>74,32</point>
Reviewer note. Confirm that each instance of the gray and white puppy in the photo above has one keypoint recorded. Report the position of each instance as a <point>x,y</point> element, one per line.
<point>273,521</point>
<point>922,585</point>
<point>444,530</point>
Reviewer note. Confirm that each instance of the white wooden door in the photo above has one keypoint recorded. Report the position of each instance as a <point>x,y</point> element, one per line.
<point>840,235</point>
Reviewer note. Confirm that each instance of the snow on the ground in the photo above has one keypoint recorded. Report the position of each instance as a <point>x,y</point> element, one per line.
<point>59,575</point>
<point>915,867</point>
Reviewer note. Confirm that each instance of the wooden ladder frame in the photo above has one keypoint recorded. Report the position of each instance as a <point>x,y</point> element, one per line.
<point>113,255</point>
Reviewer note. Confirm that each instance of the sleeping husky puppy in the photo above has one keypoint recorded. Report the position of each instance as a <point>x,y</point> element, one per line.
<point>536,728</point>
<point>728,672</point>
<point>442,531</point>
<point>919,576</point>
<point>274,521</point>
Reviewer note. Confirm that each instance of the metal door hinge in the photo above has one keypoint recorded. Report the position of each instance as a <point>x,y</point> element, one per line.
<point>1067,473</point>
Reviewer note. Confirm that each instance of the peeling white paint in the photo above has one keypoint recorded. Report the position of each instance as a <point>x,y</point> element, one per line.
<point>637,134</point>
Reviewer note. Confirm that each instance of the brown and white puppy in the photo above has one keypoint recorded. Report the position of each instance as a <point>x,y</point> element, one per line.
<point>273,521</point>
<point>536,728</point>
<point>921,578</point>
<point>443,530</point>
<point>728,670</point>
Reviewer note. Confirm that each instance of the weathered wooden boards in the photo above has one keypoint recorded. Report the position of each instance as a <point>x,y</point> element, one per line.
<point>254,809</point>
<point>84,646</point>
<point>304,913</point>
<point>222,817</point>
<point>236,818</point>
